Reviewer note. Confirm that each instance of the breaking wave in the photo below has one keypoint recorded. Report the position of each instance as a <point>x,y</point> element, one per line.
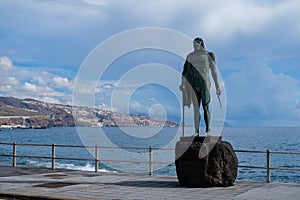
<point>86,167</point>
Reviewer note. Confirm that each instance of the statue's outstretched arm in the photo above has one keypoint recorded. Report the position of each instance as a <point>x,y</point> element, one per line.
<point>212,65</point>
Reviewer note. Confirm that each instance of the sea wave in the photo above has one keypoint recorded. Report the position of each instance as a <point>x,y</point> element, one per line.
<point>86,167</point>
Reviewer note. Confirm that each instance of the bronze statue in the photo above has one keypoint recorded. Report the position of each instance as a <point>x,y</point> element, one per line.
<point>196,84</point>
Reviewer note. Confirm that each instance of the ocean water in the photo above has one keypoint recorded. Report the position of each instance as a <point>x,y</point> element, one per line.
<point>245,138</point>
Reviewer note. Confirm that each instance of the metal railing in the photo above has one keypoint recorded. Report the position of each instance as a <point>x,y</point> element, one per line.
<point>96,159</point>
<point>150,161</point>
<point>268,162</point>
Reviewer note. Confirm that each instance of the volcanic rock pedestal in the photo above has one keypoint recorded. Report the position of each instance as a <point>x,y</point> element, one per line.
<point>205,162</point>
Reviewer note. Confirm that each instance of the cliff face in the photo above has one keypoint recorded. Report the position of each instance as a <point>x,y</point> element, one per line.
<point>31,113</point>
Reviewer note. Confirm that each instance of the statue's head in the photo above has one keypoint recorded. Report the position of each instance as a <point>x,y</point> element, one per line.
<point>198,42</point>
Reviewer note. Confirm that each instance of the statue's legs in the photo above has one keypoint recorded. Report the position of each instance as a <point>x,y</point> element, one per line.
<point>196,105</point>
<point>205,105</point>
<point>197,120</point>
<point>201,95</point>
<point>207,118</point>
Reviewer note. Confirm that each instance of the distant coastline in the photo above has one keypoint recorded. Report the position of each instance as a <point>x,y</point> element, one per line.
<point>30,113</point>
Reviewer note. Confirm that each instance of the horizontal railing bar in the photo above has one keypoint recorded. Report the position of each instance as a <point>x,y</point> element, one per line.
<point>37,145</point>
<point>57,145</point>
<point>46,145</point>
<point>250,151</point>
<point>118,147</point>
<point>157,162</point>
<point>22,156</point>
<point>129,147</point>
<point>6,143</point>
<point>284,168</point>
<point>57,158</point>
<point>73,146</point>
<point>6,155</point>
<point>132,161</point>
<point>136,161</point>
<point>123,147</point>
<point>272,168</point>
<point>271,152</point>
<point>255,167</point>
<point>284,152</point>
<point>157,148</point>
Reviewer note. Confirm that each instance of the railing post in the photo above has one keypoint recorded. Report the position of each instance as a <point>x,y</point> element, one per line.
<point>96,159</point>
<point>268,167</point>
<point>14,154</point>
<point>53,156</point>
<point>150,161</point>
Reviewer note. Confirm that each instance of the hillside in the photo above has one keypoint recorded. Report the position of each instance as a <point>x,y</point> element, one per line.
<point>31,113</point>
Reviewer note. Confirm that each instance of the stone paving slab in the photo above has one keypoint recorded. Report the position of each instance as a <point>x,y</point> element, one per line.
<point>37,183</point>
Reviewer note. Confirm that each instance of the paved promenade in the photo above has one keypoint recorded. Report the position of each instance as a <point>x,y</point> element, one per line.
<point>38,183</point>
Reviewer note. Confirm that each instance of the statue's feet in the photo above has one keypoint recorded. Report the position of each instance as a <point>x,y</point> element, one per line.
<point>208,132</point>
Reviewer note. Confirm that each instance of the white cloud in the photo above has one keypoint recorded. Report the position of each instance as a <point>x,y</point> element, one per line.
<point>30,87</point>
<point>27,83</point>
<point>215,19</point>
<point>62,82</point>
<point>107,85</point>
<point>219,22</point>
<point>5,63</point>
<point>13,81</point>
<point>39,91</point>
<point>39,80</point>
<point>62,16</point>
<point>255,92</point>
<point>137,107</point>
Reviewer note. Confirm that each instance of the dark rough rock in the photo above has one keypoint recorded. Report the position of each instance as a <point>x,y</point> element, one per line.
<point>205,162</point>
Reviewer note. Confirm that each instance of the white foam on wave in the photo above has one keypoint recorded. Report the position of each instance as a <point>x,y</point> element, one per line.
<point>87,167</point>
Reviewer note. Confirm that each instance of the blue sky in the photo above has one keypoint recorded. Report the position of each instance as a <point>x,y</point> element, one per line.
<point>256,42</point>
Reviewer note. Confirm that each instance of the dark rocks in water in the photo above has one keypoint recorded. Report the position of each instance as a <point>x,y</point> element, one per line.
<point>205,162</point>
